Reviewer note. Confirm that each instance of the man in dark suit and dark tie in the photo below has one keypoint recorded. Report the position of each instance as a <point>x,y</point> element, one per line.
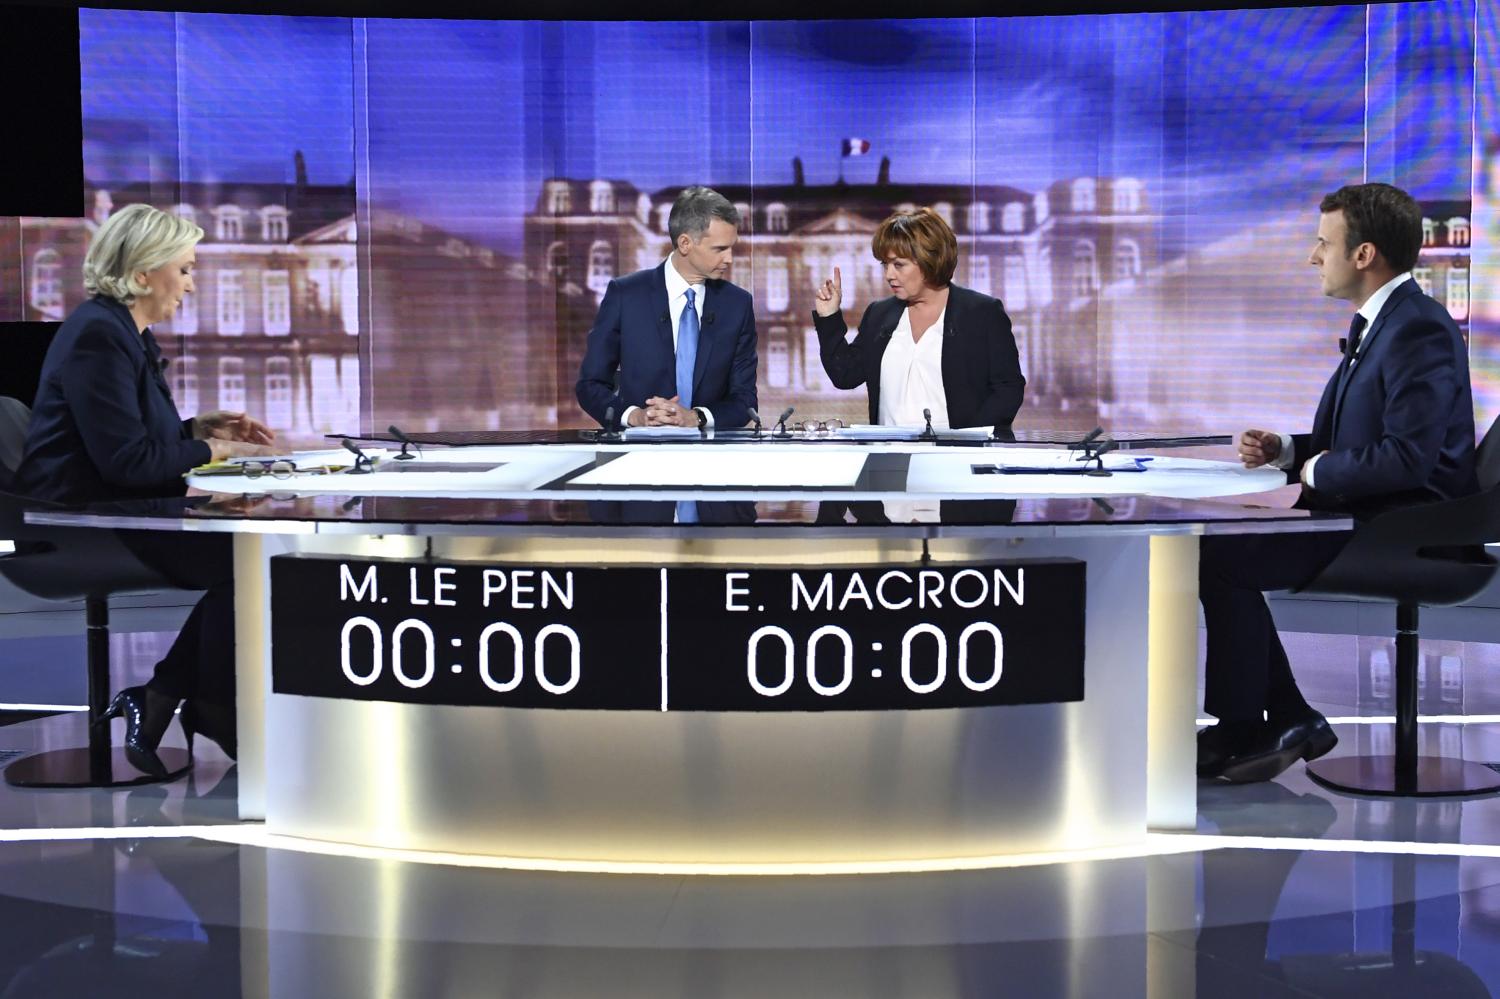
<point>1395,426</point>
<point>675,345</point>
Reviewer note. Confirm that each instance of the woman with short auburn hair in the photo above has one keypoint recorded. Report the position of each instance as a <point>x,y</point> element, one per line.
<point>105,427</point>
<point>931,345</point>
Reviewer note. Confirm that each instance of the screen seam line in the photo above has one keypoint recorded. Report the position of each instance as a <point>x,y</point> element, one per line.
<point>664,639</point>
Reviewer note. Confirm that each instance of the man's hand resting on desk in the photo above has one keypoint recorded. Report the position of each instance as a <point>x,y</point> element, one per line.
<point>224,425</point>
<point>661,412</point>
<point>1259,447</point>
<point>222,449</point>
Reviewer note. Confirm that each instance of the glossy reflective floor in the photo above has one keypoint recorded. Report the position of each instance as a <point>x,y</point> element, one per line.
<point>1285,890</point>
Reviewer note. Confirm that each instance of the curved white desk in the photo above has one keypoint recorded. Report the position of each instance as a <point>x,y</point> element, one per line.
<point>753,787</point>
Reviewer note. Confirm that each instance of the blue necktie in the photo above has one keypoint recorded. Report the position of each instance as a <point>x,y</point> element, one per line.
<point>687,352</point>
<point>687,357</point>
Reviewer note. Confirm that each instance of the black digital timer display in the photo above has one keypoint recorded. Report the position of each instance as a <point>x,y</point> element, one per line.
<point>690,638</point>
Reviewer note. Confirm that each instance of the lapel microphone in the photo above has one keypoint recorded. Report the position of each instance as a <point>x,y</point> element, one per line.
<point>664,318</point>
<point>708,319</point>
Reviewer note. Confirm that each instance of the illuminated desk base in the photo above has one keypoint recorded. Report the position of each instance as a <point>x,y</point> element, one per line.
<point>742,787</point>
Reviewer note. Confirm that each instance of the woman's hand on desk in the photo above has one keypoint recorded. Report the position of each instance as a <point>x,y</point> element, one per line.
<point>222,449</point>
<point>829,294</point>
<point>224,425</point>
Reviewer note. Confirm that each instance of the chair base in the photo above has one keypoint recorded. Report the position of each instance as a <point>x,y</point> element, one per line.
<point>71,768</point>
<point>1435,776</point>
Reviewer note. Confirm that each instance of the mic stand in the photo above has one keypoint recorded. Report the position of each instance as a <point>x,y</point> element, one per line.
<point>406,441</point>
<point>363,463</point>
<point>610,432</point>
<point>928,434</point>
<point>1093,450</point>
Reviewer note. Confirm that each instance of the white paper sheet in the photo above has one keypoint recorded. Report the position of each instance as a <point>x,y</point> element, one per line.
<point>728,468</point>
<point>658,433</point>
<point>515,469</point>
<point>879,432</point>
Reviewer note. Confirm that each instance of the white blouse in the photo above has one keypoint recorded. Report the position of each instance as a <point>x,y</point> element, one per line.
<point>911,376</point>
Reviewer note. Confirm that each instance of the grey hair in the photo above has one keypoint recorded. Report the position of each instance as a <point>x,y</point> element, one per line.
<point>134,239</point>
<point>695,208</point>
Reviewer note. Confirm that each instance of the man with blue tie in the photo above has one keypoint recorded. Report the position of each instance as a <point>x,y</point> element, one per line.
<point>1395,427</point>
<point>675,345</point>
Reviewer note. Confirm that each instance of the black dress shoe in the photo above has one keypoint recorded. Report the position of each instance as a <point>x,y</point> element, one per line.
<point>1215,746</point>
<point>1280,745</point>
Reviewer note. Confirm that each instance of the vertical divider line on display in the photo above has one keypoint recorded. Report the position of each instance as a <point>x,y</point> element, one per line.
<point>664,639</point>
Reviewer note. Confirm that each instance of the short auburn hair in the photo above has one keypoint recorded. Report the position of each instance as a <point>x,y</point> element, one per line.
<point>923,238</point>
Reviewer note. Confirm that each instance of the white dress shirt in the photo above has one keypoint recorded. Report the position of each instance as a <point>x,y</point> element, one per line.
<point>1369,310</point>
<point>677,289</point>
<point>911,376</point>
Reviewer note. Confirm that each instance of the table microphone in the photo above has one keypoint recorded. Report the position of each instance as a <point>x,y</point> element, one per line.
<point>362,461</point>
<point>610,430</point>
<point>756,417</point>
<point>406,441</point>
<point>929,434</point>
<point>781,430</point>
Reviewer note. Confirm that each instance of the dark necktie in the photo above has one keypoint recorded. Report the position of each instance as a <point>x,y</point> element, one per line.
<point>1356,330</point>
<point>1351,345</point>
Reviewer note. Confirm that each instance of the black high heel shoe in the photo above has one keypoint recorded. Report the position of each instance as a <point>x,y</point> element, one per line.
<point>187,717</point>
<point>142,710</point>
<point>212,721</point>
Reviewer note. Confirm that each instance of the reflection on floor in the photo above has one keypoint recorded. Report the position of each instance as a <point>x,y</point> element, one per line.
<point>1285,890</point>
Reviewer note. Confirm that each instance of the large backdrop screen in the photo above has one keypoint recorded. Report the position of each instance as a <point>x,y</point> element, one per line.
<point>412,222</point>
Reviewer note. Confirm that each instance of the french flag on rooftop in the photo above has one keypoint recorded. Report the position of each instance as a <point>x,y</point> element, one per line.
<point>856,147</point>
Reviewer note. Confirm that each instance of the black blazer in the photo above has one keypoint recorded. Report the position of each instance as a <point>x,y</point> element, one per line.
<point>104,425</point>
<point>1398,425</point>
<point>981,369</point>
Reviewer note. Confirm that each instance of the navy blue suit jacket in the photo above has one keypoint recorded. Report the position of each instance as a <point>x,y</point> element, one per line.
<point>1398,425</point>
<point>982,378</point>
<point>630,356</point>
<point>104,425</point>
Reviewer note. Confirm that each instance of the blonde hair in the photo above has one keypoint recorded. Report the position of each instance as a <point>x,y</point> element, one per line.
<point>134,239</point>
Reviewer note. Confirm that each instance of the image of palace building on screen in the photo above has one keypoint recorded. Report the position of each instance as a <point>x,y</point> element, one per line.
<point>326,320</point>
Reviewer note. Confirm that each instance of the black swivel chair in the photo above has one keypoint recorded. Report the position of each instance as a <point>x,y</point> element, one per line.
<point>1428,555</point>
<point>73,564</point>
